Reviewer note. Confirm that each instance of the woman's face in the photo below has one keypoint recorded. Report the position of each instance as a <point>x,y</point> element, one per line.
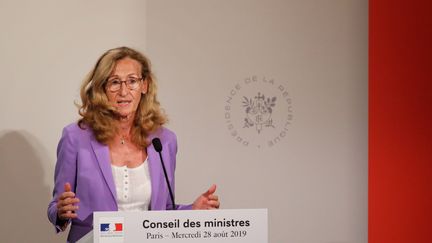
<point>126,100</point>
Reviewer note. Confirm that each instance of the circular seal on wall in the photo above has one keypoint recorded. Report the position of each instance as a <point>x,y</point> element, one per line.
<point>258,112</point>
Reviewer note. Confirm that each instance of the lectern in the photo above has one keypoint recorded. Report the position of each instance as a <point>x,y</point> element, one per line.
<point>216,226</point>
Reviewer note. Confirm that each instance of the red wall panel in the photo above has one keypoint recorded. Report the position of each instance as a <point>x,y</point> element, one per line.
<point>400,121</point>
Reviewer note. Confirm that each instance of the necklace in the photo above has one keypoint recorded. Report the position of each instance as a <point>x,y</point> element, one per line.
<point>124,134</point>
<point>122,140</point>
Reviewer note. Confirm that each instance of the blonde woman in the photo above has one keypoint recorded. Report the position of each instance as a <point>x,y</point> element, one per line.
<point>105,161</point>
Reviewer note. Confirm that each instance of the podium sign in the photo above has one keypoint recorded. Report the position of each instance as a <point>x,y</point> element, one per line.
<point>216,226</point>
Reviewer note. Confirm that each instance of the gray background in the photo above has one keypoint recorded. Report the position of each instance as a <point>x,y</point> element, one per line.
<point>314,181</point>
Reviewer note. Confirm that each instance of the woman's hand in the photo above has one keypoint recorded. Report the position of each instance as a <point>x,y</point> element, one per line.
<point>207,200</point>
<point>65,204</point>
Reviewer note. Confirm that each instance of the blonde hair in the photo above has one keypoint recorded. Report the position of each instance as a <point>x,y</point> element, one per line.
<point>99,115</point>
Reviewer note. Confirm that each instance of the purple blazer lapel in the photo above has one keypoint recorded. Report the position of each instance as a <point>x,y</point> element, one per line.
<point>152,159</point>
<point>103,157</point>
<point>156,202</point>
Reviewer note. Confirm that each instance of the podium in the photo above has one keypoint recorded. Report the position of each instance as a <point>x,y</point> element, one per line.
<point>216,226</point>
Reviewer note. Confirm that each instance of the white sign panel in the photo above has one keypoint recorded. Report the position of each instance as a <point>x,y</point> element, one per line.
<point>217,226</point>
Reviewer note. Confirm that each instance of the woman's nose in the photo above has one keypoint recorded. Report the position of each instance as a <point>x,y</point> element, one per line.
<point>123,89</point>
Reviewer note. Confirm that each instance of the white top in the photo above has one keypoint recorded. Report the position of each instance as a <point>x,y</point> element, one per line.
<point>133,187</point>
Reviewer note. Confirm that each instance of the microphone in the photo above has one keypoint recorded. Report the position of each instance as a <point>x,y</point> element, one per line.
<point>158,147</point>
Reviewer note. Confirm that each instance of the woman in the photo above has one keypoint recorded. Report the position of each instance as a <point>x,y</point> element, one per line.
<point>106,162</point>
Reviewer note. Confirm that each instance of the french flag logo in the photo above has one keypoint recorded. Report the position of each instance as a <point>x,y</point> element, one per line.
<point>113,227</point>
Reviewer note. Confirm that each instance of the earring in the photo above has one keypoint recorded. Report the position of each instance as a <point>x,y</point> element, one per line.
<point>143,92</point>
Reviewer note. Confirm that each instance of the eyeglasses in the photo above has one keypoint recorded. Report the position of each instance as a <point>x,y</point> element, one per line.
<point>115,84</point>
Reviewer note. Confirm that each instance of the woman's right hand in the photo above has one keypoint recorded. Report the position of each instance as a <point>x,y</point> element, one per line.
<point>66,208</point>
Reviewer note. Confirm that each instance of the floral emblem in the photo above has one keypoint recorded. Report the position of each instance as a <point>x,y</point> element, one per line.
<point>258,111</point>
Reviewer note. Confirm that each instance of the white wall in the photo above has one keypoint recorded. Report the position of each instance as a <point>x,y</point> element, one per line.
<point>314,180</point>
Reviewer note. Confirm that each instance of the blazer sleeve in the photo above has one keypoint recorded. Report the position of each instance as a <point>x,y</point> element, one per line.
<point>65,171</point>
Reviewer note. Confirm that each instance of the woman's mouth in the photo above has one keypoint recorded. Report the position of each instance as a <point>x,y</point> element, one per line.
<point>122,103</point>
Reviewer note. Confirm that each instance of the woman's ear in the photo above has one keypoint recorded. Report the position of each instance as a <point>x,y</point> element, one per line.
<point>144,87</point>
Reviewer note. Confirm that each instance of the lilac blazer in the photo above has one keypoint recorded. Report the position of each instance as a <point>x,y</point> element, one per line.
<point>86,165</point>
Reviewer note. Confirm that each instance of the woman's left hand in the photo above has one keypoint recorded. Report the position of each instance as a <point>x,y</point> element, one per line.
<point>207,200</point>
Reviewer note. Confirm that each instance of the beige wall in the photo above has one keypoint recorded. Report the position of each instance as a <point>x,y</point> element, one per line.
<point>313,181</point>
<point>47,47</point>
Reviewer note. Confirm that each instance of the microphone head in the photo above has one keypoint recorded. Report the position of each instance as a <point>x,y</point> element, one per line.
<point>157,144</point>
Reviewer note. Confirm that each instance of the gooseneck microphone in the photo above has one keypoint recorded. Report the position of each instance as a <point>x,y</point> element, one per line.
<point>158,147</point>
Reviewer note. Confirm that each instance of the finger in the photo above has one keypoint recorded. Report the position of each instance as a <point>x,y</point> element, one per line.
<point>68,215</point>
<point>67,201</point>
<point>213,197</point>
<point>67,187</point>
<point>68,208</point>
<point>70,201</point>
<point>65,195</point>
<point>210,191</point>
<point>213,204</point>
